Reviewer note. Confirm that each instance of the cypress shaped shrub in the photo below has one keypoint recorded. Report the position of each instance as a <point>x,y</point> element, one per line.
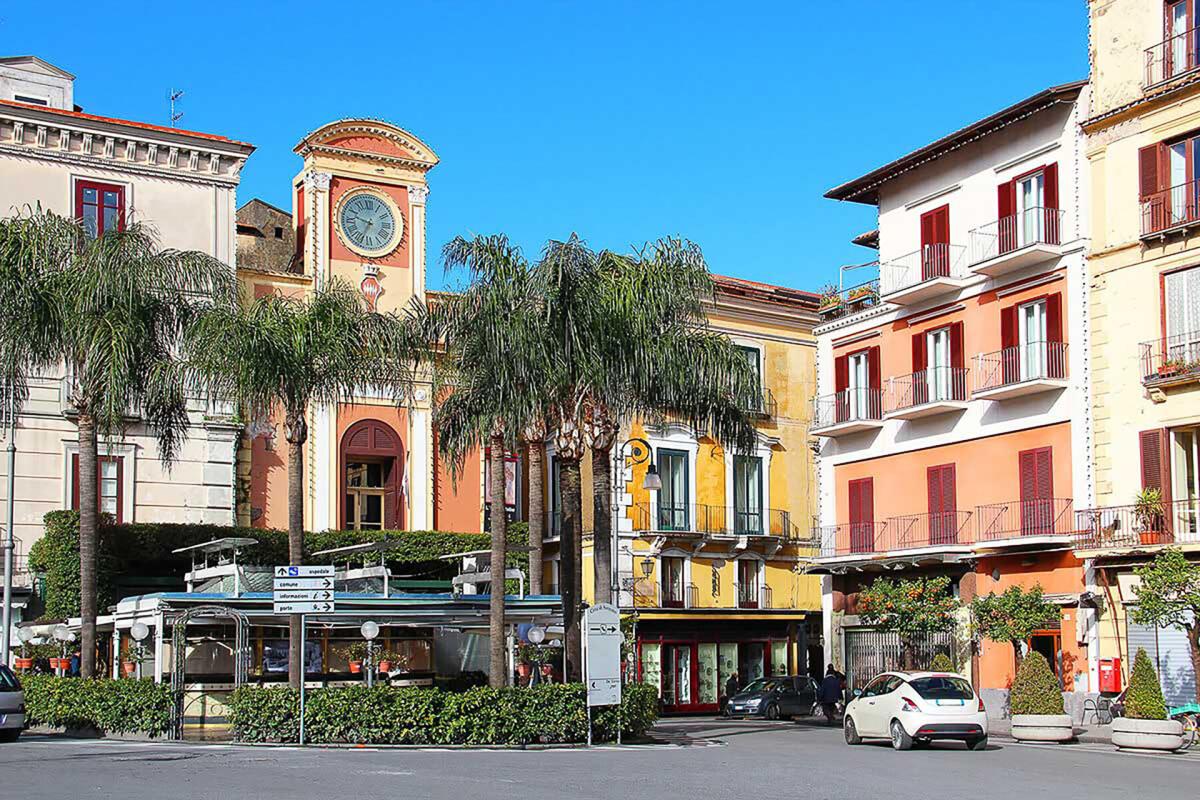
<point>941,663</point>
<point>1035,690</point>
<point>1144,700</point>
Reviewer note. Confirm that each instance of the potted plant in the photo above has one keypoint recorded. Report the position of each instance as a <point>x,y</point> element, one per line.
<point>387,659</point>
<point>526,658</point>
<point>864,296</point>
<point>25,660</point>
<point>135,655</point>
<point>1148,513</point>
<point>1170,366</point>
<point>356,653</point>
<point>1145,725</point>
<point>831,299</point>
<point>1037,704</point>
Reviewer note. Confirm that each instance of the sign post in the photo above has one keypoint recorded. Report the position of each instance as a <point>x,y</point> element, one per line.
<point>602,660</point>
<point>303,590</point>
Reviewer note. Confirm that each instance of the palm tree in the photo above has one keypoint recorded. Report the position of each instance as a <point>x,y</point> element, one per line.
<point>113,310</point>
<point>288,354</point>
<point>490,384</point>
<point>533,442</point>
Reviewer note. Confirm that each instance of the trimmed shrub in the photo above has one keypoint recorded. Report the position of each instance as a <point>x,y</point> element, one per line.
<point>145,549</point>
<point>1035,690</point>
<point>550,713</point>
<point>109,706</point>
<point>1144,700</point>
<point>941,663</point>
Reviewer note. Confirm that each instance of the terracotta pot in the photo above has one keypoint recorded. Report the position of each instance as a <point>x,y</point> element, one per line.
<point>1164,735</point>
<point>129,668</point>
<point>64,663</point>
<point>24,663</point>
<point>355,667</point>
<point>1042,728</point>
<point>385,665</point>
<point>548,670</point>
<point>524,670</point>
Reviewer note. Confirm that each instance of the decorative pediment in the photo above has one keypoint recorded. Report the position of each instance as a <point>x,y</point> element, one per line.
<point>370,139</point>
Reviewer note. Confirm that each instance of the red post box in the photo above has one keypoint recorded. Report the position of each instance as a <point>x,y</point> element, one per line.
<point>1110,675</point>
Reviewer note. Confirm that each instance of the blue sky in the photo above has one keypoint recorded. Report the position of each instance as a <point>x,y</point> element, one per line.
<point>623,121</point>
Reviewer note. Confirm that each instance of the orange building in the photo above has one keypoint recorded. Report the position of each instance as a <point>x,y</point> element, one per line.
<point>952,414</point>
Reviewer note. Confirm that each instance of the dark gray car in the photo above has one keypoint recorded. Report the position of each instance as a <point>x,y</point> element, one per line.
<point>774,698</point>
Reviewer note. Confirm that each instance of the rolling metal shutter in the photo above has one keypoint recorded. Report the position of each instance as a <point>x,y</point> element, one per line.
<point>1168,649</point>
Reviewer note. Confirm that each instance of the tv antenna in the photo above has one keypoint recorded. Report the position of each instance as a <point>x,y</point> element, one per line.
<point>175,115</point>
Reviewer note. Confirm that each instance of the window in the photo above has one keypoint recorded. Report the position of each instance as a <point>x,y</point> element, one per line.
<point>943,504</point>
<point>935,243</point>
<point>857,382</point>
<point>754,358</point>
<point>1168,173</point>
<point>673,500</point>
<point>1181,311</point>
<point>672,582</point>
<point>747,494</point>
<point>512,487</point>
<point>1037,492</point>
<point>1031,335</point>
<point>555,511</point>
<point>278,232</point>
<point>366,495</point>
<point>101,206</point>
<point>937,365</point>
<point>1031,321</point>
<point>937,362</point>
<point>862,515</point>
<point>747,583</point>
<point>942,688</point>
<point>109,486</point>
<point>36,101</point>
<point>1179,48</point>
<point>371,477</point>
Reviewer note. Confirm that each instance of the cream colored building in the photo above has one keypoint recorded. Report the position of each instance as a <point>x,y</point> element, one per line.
<point>1143,151</point>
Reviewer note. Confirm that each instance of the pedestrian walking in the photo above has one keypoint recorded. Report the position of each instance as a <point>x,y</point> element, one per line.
<point>831,693</point>
<point>732,687</point>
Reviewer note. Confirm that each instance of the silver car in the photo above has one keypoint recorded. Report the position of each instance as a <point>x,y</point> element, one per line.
<point>12,706</point>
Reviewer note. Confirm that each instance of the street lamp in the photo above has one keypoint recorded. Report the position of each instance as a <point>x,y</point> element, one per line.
<point>64,637</point>
<point>638,451</point>
<point>369,631</point>
<point>139,631</point>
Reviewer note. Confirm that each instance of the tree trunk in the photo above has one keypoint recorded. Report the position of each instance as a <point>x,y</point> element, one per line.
<point>570,566</point>
<point>89,536</point>
<point>297,434</point>
<point>537,513</point>
<point>602,545</point>
<point>910,654</point>
<point>498,663</point>
<point>1193,636</point>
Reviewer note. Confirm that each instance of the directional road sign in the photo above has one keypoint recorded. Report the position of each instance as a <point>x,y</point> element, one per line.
<point>312,596</point>
<point>312,571</point>
<point>602,646</point>
<point>303,583</point>
<point>304,608</point>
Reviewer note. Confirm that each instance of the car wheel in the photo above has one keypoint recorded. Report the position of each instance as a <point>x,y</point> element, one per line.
<point>978,743</point>
<point>851,732</point>
<point>900,738</point>
<point>772,712</point>
<point>10,734</point>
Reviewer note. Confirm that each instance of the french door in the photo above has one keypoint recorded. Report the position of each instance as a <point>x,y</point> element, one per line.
<point>673,500</point>
<point>1180,46</point>
<point>862,515</point>
<point>1037,492</point>
<point>943,504</point>
<point>1031,209</point>
<point>1031,321</point>
<point>859,396</point>
<point>1181,296</point>
<point>938,371</point>
<point>747,494</point>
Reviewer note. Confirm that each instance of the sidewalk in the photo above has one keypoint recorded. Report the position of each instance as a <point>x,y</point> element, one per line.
<point>1097,734</point>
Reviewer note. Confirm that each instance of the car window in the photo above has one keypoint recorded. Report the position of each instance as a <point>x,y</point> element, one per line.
<point>762,685</point>
<point>875,687</point>
<point>943,688</point>
<point>893,683</point>
<point>8,681</point>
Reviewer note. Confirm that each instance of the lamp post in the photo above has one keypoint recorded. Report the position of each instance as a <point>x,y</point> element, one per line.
<point>139,631</point>
<point>64,637</point>
<point>9,539</point>
<point>639,452</point>
<point>369,631</point>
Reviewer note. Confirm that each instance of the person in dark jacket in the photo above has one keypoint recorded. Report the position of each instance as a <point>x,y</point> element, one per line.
<point>732,687</point>
<point>831,693</point>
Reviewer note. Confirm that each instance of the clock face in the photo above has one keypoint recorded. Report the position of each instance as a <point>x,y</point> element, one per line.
<point>369,224</point>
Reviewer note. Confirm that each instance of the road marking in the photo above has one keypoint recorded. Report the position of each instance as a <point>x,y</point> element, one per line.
<point>1101,749</point>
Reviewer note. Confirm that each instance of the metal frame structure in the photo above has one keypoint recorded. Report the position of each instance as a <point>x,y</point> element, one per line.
<point>241,653</point>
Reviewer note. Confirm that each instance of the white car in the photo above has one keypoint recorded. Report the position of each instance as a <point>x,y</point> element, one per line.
<point>920,707</point>
<point>12,706</point>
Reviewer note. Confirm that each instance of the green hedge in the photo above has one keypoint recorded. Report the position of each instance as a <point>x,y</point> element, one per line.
<point>145,549</point>
<point>550,713</point>
<point>110,706</point>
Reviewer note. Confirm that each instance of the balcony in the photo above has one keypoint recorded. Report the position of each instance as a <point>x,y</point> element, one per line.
<point>1171,361</point>
<point>1039,520</point>
<point>911,532</point>
<point>1172,58</point>
<point>701,519</point>
<point>1171,210</point>
<point>925,393</point>
<point>846,412</point>
<point>931,271</point>
<point>837,303</point>
<point>1021,240</point>
<point>750,595</point>
<point>767,407</point>
<point>849,538</point>
<point>1138,526</point>
<point>1022,370</point>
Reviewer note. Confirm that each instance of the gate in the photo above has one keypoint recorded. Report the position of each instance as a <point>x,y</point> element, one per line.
<point>870,652</point>
<point>241,654</point>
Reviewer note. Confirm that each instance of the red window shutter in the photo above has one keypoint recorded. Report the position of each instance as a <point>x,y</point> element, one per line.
<point>1050,186</point>
<point>120,489</point>
<point>1006,211</point>
<point>949,488</point>
<point>1054,331</point>
<point>1045,473</point>
<point>919,379</point>
<point>957,358</point>
<point>841,373</point>
<point>918,352</point>
<point>942,218</point>
<point>1148,173</point>
<point>1008,327</point>
<point>933,489</point>
<point>873,368</point>
<point>927,229</point>
<point>1028,466</point>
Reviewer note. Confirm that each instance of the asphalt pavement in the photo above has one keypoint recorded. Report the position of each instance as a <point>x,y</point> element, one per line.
<point>696,759</point>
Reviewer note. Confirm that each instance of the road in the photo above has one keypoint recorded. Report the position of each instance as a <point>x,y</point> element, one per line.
<point>708,759</point>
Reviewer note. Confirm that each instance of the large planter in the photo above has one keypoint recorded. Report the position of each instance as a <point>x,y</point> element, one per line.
<point>24,663</point>
<point>1042,728</point>
<point>1147,734</point>
<point>355,667</point>
<point>129,668</point>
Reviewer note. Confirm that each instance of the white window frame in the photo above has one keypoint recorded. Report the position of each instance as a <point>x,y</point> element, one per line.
<point>674,436</point>
<point>1031,220</point>
<point>1034,355</point>
<point>763,451</point>
<point>127,452</point>
<point>938,378</point>
<point>858,396</point>
<point>661,573</point>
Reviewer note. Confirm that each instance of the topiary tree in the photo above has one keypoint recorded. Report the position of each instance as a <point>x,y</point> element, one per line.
<point>941,663</point>
<point>1035,690</point>
<point>911,608</point>
<point>1169,596</point>
<point>1013,616</point>
<point>1144,700</point>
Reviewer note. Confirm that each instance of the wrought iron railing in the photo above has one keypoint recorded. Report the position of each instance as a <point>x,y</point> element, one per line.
<point>1040,516</point>
<point>767,406</point>
<point>1169,208</point>
<point>1171,359</point>
<point>848,405</point>
<point>751,595</point>
<point>1023,229</point>
<point>926,530</point>
<point>843,302</point>
<point>1172,57</point>
<point>1176,522</point>
<point>849,538</point>
<point>931,385</point>
<point>1026,362</point>
<point>932,261</point>
<point>719,520</point>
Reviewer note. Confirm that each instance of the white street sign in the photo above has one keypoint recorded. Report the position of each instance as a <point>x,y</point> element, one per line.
<point>313,596</point>
<point>303,583</point>
<point>602,644</point>
<point>312,571</point>
<point>303,608</point>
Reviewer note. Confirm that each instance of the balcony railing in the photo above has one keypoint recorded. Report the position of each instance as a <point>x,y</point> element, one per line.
<point>932,261</point>
<point>1177,522</point>
<point>843,302</point>
<point>767,407</point>
<point>849,538</point>
<point>1032,361</point>
<point>1008,234</point>
<point>1172,57</point>
<point>926,530</point>
<point>1050,516</point>
<point>848,405</point>
<point>751,595</point>
<point>22,576</point>
<point>1171,360</point>
<point>932,385</point>
<point>679,596</point>
<point>1171,208</point>
<point>716,520</point>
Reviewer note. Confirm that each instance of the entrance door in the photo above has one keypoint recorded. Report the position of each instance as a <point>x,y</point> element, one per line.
<point>677,674</point>
<point>862,515</point>
<point>1049,644</point>
<point>750,662</point>
<point>1037,492</point>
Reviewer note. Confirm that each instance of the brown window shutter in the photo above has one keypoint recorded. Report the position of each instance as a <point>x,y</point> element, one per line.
<point>1148,177</point>
<point>1028,468</point>
<point>1156,469</point>
<point>957,357</point>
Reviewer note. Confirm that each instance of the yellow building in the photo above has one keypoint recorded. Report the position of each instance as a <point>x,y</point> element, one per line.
<point>1143,148</point>
<point>711,563</point>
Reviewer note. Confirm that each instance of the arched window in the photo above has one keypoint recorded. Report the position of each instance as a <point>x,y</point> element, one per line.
<point>371,461</point>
